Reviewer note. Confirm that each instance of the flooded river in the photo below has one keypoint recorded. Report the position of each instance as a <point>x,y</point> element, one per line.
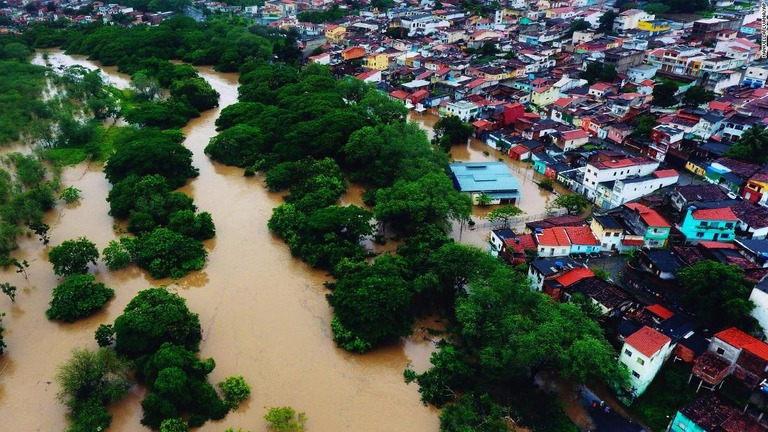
<point>263,312</point>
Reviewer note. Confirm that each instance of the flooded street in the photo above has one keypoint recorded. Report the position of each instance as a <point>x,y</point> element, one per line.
<point>533,202</point>
<point>263,312</point>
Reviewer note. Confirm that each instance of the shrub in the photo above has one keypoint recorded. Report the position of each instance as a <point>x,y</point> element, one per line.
<point>285,419</point>
<point>235,390</point>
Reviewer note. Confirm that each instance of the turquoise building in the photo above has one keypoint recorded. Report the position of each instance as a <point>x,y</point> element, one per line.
<point>718,224</point>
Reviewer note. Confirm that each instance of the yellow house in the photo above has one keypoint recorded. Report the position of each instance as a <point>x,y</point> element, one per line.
<point>335,34</point>
<point>693,165</point>
<point>655,26</point>
<point>545,96</point>
<point>378,61</point>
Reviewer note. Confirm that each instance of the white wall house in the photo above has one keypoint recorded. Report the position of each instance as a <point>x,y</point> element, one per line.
<point>759,296</point>
<point>462,109</point>
<point>643,353</point>
<point>630,189</point>
<point>615,169</point>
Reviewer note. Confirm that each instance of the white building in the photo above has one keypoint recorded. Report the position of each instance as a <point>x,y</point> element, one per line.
<point>755,76</point>
<point>615,169</point>
<point>643,353</point>
<point>629,19</point>
<point>462,109</point>
<point>633,188</point>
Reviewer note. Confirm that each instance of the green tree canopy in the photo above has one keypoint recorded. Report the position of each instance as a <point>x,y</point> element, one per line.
<point>152,318</point>
<point>148,152</point>
<point>89,381</point>
<point>697,95</point>
<point>77,297</point>
<point>165,253</point>
<point>719,295</point>
<point>606,22</point>
<point>429,200</point>
<point>73,256</point>
<point>371,304</point>
<point>751,146</point>
<point>451,130</point>
<point>574,203</point>
<point>664,94</point>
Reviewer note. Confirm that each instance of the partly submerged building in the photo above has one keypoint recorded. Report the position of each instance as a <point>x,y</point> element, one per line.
<point>486,182</point>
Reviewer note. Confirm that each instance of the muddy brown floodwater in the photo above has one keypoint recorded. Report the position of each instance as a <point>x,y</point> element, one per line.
<point>533,199</point>
<point>263,313</point>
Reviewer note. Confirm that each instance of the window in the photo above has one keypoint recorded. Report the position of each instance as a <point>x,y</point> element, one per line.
<point>640,361</point>
<point>729,225</point>
<point>635,374</point>
<point>616,234</point>
<point>682,426</point>
<point>720,351</point>
<point>628,353</point>
<point>700,234</point>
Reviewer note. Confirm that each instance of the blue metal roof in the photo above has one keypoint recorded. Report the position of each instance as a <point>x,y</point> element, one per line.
<point>485,177</point>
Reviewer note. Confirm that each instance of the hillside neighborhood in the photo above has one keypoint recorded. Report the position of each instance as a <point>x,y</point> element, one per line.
<point>656,119</point>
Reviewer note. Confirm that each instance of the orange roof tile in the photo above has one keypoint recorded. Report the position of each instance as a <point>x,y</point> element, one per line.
<point>553,237</point>
<point>582,235</point>
<point>650,216</point>
<point>717,245</point>
<point>742,340</point>
<point>721,214</point>
<point>647,341</point>
<point>660,311</point>
<point>574,275</point>
<point>665,173</point>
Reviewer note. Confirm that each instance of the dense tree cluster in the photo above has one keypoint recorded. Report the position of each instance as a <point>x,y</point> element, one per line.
<point>20,91</point>
<point>719,294</point>
<point>504,335</point>
<point>147,165</point>
<point>451,130</point>
<point>26,194</point>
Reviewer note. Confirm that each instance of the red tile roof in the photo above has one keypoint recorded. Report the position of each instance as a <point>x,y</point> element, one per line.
<point>647,341</point>
<point>737,338</point>
<point>660,311</point>
<point>665,173</point>
<point>574,275</point>
<point>717,245</point>
<point>553,237</point>
<point>519,149</point>
<point>575,134</point>
<point>632,242</point>
<point>582,235</point>
<point>650,216</point>
<point>721,214</point>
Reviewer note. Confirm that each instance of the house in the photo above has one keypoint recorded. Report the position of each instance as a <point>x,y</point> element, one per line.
<point>608,231</point>
<point>730,173</point>
<point>462,109</point>
<point>615,169</point>
<point>555,285</point>
<point>378,61</point>
<point>552,242</point>
<point>618,192</point>
<point>486,182</point>
<point>661,262</point>
<point>353,53</point>
<point>756,187</point>
<point>571,140</point>
<point>759,296</point>
<point>583,241</point>
<point>682,196</point>
<point>371,76</point>
<point>732,352</point>
<point>542,268</point>
<point>710,413</point>
<point>608,297</point>
<point>647,223</point>
<point>643,353</point>
<point>753,220</point>
<point>716,224</point>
